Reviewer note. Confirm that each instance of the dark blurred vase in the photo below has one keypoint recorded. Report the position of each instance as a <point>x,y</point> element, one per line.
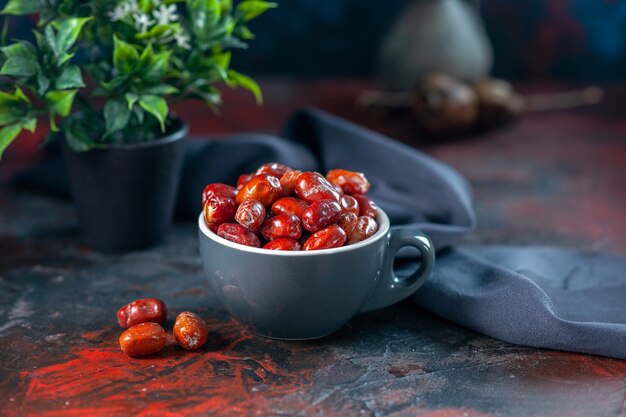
<point>435,36</point>
<point>125,194</point>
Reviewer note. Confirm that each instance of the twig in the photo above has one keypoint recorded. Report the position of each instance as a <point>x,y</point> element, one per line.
<point>390,99</point>
<point>564,100</point>
<point>533,102</point>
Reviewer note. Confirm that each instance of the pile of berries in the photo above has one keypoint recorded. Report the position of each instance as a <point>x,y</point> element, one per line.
<point>280,208</point>
<point>144,335</point>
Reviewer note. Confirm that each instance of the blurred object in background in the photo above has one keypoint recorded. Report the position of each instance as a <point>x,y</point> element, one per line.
<point>444,106</point>
<point>499,103</point>
<point>558,39</point>
<point>571,40</point>
<point>435,36</point>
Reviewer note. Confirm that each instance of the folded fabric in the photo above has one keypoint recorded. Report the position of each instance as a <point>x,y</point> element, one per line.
<point>531,296</point>
<point>534,296</point>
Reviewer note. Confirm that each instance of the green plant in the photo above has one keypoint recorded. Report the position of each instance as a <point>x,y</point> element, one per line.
<point>108,68</point>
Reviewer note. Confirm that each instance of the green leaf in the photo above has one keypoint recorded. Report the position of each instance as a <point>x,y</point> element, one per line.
<point>115,83</point>
<point>8,135</point>
<point>30,124</point>
<point>19,67</point>
<point>159,31</point>
<point>40,39</point>
<point>77,141</point>
<point>69,78</point>
<point>223,60</point>
<point>227,6</point>
<point>50,37</point>
<point>61,101</point>
<point>22,49</point>
<point>131,99</point>
<point>22,7</point>
<point>146,55</point>
<point>76,136</point>
<point>209,95</point>
<point>249,9</point>
<point>244,33</point>
<point>154,66</point>
<point>139,114</point>
<point>21,59</point>
<point>145,5</point>
<point>177,62</point>
<point>8,117</point>
<point>13,107</point>
<point>237,79</point>
<point>4,33</point>
<point>68,31</point>
<point>8,99</point>
<point>156,106</point>
<point>11,115</point>
<point>19,94</point>
<point>235,43</point>
<point>43,82</point>
<point>161,90</point>
<point>203,15</point>
<point>125,56</point>
<point>157,69</point>
<point>49,40</point>
<point>116,115</point>
<point>64,57</point>
<point>53,123</point>
<point>215,68</point>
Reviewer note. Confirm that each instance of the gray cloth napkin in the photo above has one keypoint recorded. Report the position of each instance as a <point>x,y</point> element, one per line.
<point>534,296</point>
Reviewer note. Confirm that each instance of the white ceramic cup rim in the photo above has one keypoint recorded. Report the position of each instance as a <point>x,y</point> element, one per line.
<point>381,219</point>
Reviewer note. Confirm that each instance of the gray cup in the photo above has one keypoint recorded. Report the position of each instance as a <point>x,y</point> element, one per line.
<point>310,294</point>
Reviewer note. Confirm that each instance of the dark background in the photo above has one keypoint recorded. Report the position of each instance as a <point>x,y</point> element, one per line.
<point>532,39</point>
<point>565,39</point>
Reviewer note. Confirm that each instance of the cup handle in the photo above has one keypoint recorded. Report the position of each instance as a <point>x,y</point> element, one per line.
<point>391,288</point>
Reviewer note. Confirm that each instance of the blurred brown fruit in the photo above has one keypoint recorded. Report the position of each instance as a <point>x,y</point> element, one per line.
<point>498,102</point>
<point>444,106</point>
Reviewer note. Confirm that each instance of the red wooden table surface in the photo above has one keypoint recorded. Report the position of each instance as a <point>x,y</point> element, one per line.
<point>553,178</point>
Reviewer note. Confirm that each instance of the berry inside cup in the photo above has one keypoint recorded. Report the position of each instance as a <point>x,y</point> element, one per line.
<point>280,208</point>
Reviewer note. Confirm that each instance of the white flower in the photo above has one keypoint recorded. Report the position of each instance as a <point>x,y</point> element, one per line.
<point>165,14</point>
<point>142,22</point>
<point>119,13</point>
<point>124,10</point>
<point>182,40</point>
<point>132,5</point>
<point>166,36</point>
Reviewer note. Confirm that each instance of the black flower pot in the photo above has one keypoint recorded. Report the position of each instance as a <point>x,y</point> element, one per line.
<point>125,194</point>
